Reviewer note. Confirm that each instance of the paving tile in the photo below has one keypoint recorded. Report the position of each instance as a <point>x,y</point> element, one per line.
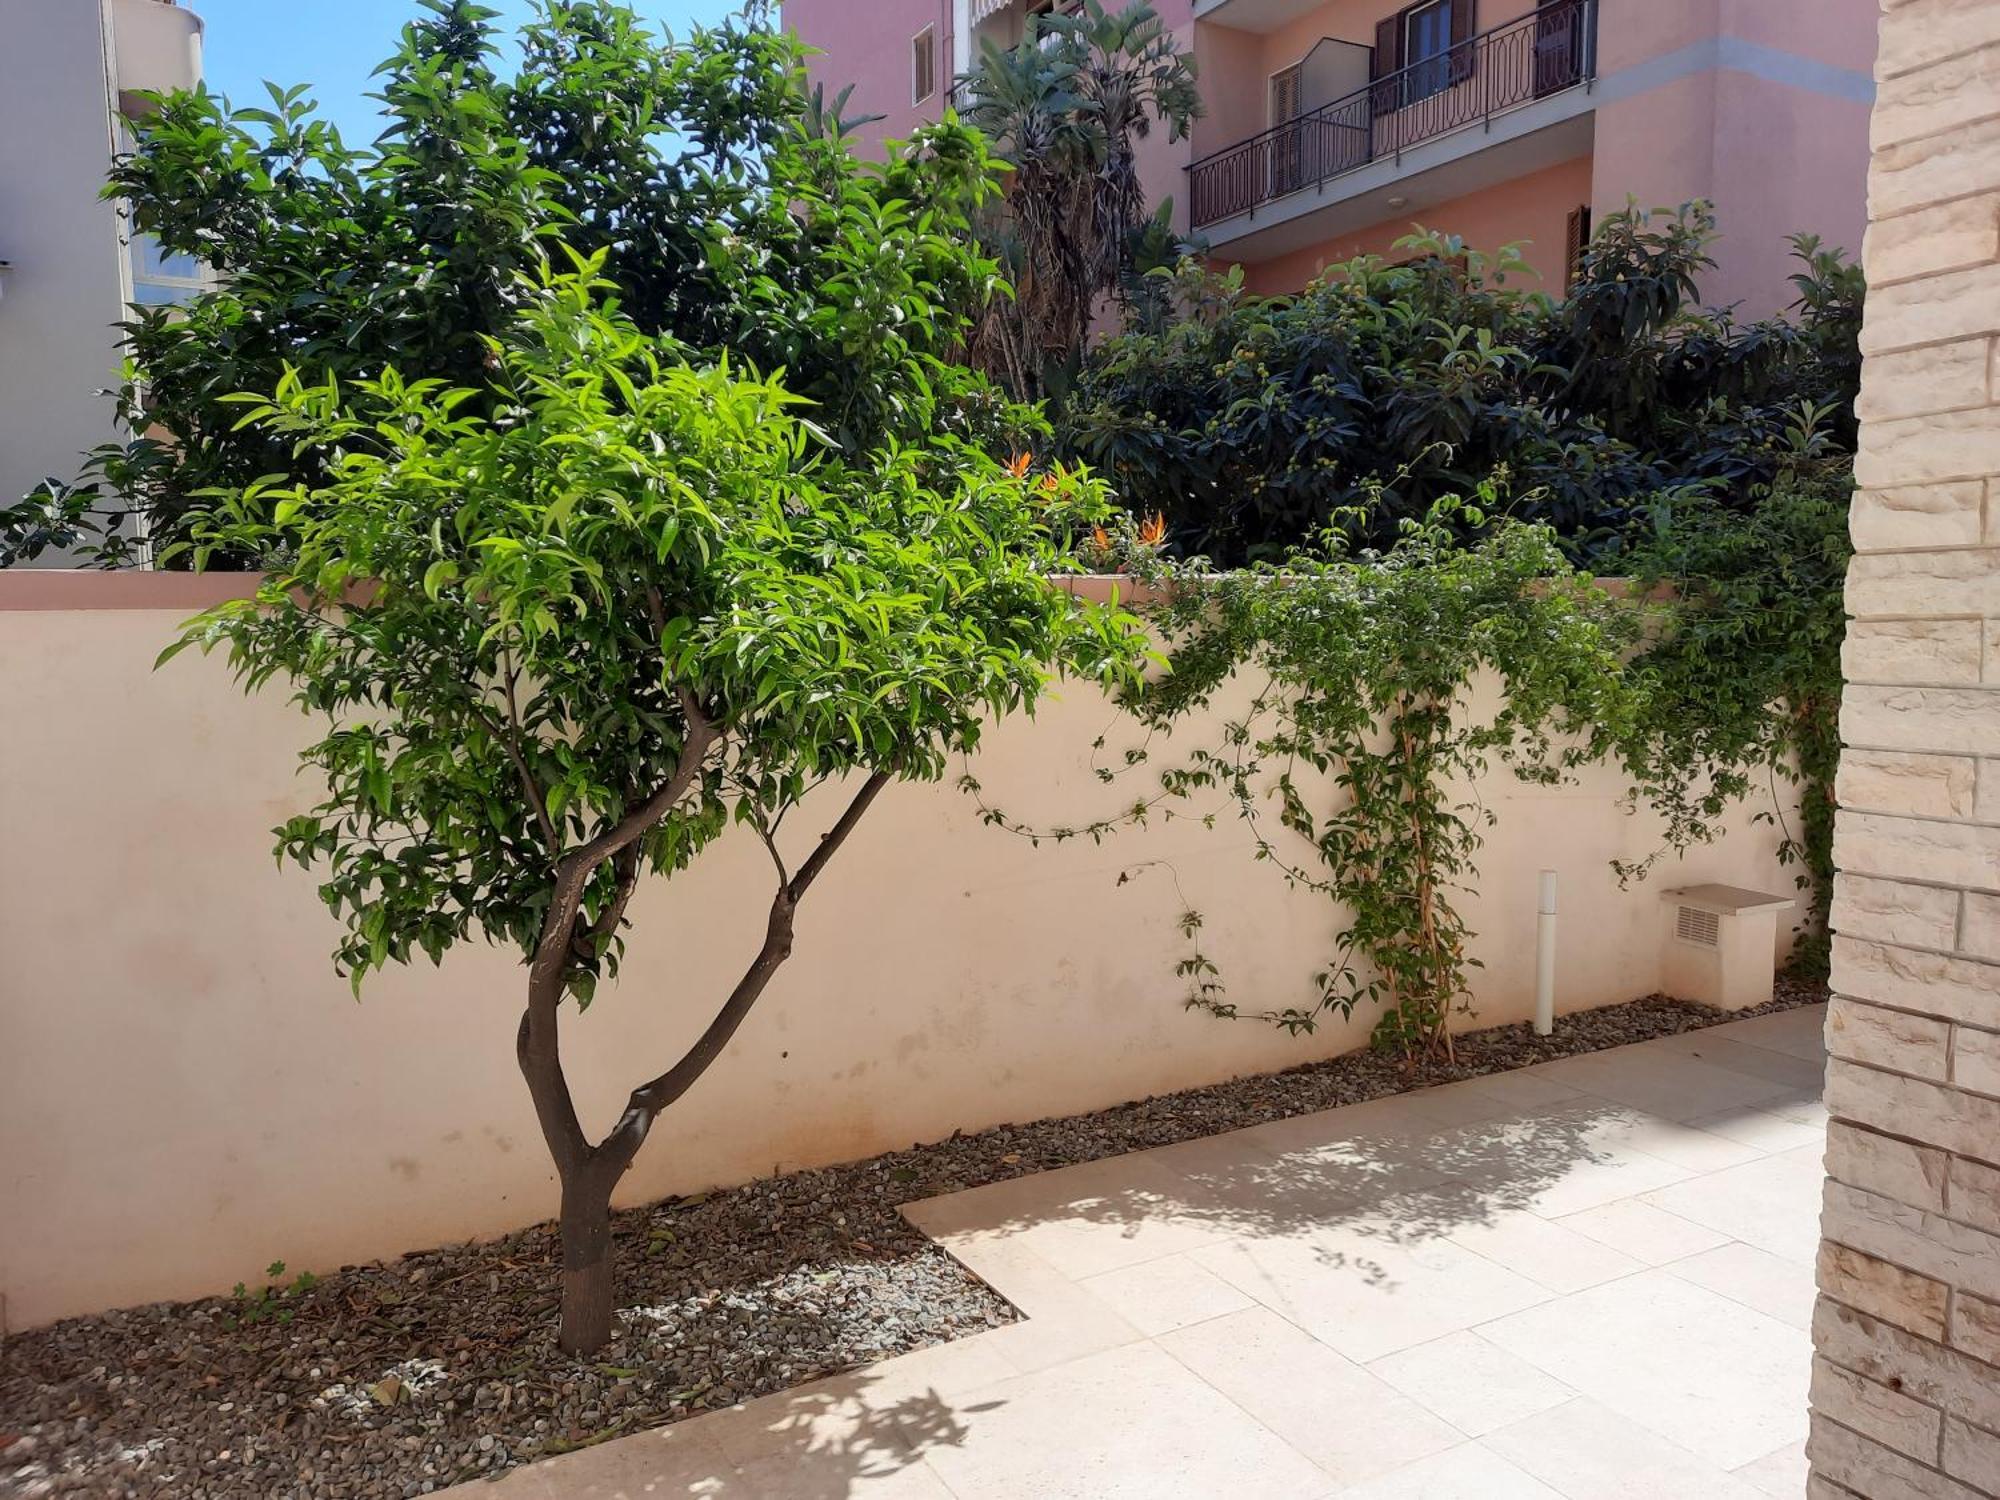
<point>1774,1285</point>
<point>823,1476</point>
<point>1085,1219</point>
<point>1162,1295</point>
<point>1063,1320</point>
<point>1369,1287</point>
<point>677,1461</point>
<point>1772,1204</point>
<point>1800,1032</point>
<point>1587,1452</point>
<point>837,1414</point>
<point>1128,1424</point>
<point>1647,1234</point>
<point>1782,1473</point>
<point>1472,1384</point>
<point>1554,1160</point>
<point>1720,1047</point>
<point>1351,1423</point>
<point>1662,1082</point>
<point>1715,1377</point>
<point>1469,1472</point>
<point>1544,1250</point>
<point>1760,1127</point>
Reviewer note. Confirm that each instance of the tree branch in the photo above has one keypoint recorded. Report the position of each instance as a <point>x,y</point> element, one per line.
<point>647,1100</point>
<point>537,1047</point>
<point>837,835</point>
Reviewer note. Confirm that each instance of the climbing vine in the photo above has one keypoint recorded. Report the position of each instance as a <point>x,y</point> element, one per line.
<point>1382,685</point>
<point>1739,684</point>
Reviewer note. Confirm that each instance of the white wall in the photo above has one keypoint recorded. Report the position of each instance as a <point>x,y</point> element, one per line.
<point>187,1092</point>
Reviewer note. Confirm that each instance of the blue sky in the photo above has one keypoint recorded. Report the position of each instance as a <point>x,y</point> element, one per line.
<point>334,46</point>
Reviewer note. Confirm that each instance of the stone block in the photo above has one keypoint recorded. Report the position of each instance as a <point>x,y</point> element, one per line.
<point>1960,989</point>
<point>1894,911</point>
<point>1861,1033</point>
<point>1912,651</point>
<point>1931,310</point>
<point>1918,515</point>
<point>1975,1328</point>
<point>1939,1248</point>
<point>1925,32</point>
<point>1914,382</point>
<point>1951,236</point>
<point>1925,585</point>
<point>1902,781</point>
<point>1921,849</point>
<point>1975,1060</point>
<point>1891,1168</point>
<point>1875,1411</point>
<point>1923,450</point>
<point>1912,1302</point>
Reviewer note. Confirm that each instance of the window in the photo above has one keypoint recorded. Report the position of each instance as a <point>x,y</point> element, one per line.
<point>1427,50</point>
<point>1576,241</point>
<point>163,277</point>
<point>1422,50</point>
<point>1285,94</point>
<point>923,65</point>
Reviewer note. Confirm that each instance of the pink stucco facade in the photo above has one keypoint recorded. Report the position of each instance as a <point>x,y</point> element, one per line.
<point>1759,106</point>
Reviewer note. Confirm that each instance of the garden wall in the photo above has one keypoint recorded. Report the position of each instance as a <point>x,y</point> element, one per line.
<point>188,1092</point>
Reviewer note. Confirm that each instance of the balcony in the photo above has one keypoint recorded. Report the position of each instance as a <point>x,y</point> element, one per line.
<point>1496,79</point>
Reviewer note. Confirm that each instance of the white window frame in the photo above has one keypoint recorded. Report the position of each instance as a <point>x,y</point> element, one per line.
<point>927,36</point>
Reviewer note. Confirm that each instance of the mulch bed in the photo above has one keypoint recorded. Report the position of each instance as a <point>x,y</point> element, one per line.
<point>401,1378</point>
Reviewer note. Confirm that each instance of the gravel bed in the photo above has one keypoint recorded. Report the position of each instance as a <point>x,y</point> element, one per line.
<point>397,1379</point>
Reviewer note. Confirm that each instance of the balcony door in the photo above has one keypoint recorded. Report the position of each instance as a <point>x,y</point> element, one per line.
<point>1287,153</point>
<point>1558,45</point>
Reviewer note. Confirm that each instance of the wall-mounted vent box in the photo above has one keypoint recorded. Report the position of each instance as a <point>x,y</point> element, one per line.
<point>1721,944</point>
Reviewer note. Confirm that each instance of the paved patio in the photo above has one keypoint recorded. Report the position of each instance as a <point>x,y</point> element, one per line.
<point>1585,1280</point>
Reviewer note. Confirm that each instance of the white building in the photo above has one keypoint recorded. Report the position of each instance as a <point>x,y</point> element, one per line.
<point>72,75</point>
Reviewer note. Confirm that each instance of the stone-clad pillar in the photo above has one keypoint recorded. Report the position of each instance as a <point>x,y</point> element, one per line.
<point>1906,1382</point>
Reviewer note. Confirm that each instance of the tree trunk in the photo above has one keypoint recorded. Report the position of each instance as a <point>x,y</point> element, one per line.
<point>587,1263</point>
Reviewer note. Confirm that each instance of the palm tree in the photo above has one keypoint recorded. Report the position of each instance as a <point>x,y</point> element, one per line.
<point>1067,108</point>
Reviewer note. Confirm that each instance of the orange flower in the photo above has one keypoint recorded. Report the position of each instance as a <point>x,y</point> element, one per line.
<point>1153,530</point>
<point>1100,538</point>
<point>1018,465</point>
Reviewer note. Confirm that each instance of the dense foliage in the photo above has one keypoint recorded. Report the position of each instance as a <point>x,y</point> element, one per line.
<point>1066,109</point>
<point>1739,685</point>
<point>1250,422</point>
<point>728,209</point>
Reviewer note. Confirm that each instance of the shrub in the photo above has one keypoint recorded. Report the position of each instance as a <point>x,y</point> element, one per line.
<point>1252,421</point>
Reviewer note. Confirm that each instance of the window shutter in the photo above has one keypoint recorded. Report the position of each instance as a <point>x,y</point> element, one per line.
<point>1464,23</point>
<point>923,65</point>
<point>1576,239</point>
<point>1285,94</point>
<point>1388,55</point>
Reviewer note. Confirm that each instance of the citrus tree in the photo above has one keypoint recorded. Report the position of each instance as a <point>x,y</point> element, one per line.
<point>573,628</point>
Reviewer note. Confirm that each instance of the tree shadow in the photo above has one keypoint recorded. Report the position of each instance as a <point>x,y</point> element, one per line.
<point>827,1441</point>
<point>1384,1173</point>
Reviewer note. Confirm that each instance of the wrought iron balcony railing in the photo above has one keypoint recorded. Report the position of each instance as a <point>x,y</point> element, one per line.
<point>1552,49</point>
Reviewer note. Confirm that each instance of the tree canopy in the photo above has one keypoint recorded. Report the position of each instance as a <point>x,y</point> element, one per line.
<point>728,209</point>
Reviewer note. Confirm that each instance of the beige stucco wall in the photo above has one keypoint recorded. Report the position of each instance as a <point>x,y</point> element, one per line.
<point>1906,1385</point>
<point>188,1092</point>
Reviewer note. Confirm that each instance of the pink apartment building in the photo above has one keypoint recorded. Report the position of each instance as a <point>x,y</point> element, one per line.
<point>1333,125</point>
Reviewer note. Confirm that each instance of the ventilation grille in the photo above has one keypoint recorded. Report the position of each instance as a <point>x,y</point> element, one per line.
<point>1693,925</point>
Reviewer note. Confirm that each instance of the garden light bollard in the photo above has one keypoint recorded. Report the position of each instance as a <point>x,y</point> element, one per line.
<point>1545,956</point>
